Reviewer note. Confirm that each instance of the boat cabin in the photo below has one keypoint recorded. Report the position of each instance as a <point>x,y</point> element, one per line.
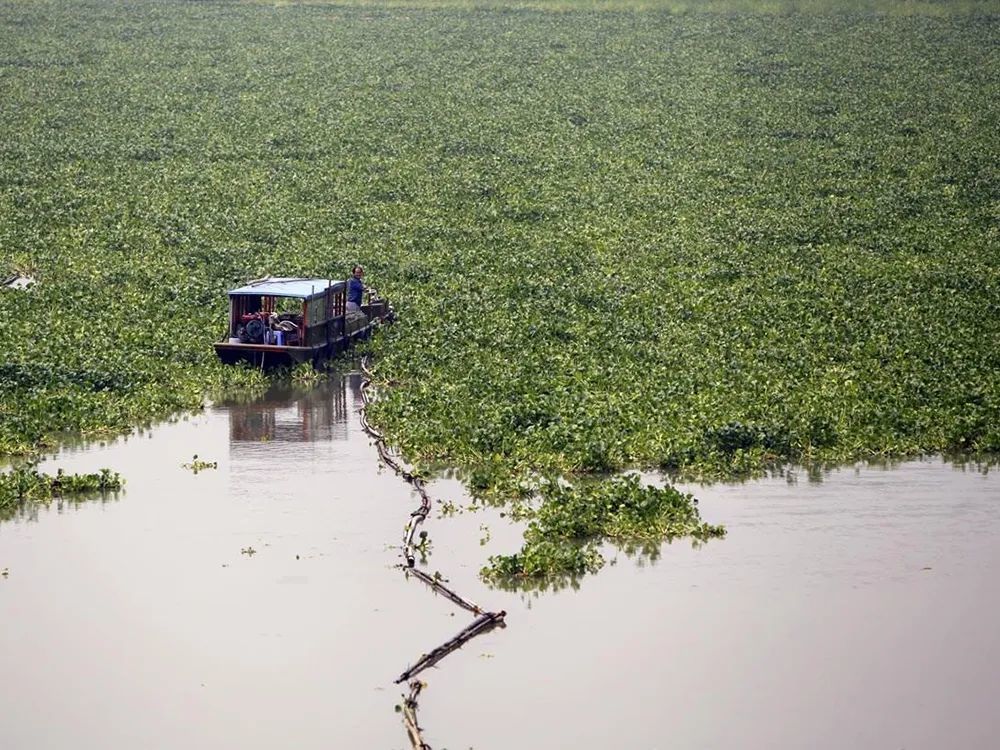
<point>284,321</point>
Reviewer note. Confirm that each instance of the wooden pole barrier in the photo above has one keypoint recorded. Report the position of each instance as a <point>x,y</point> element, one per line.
<point>440,587</point>
<point>482,624</point>
<point>410,717</point>
<point>484,621</point>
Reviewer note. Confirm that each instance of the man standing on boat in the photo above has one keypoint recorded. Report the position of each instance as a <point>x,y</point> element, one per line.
<point>355,289</point>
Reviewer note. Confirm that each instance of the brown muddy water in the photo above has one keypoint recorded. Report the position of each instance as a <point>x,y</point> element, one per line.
<point>857,611</point>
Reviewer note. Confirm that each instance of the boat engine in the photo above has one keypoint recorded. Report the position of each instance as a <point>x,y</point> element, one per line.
<point>254,331</point>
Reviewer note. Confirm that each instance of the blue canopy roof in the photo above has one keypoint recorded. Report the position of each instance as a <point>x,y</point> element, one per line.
<point>273,287</point>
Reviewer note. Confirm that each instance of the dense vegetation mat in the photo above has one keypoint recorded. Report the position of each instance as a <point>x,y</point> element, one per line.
<point>703,242</point>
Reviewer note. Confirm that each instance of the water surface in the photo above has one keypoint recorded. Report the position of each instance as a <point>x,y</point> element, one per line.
<point>257,605</point>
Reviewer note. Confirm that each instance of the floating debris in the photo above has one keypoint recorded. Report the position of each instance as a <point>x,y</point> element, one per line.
<point>17,281</point>
<point>197,464</point>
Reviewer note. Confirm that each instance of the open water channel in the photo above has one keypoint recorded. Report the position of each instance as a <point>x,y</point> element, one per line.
<point>257,605</point>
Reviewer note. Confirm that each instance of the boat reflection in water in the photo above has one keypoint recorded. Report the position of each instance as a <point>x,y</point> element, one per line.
<point>290,414</point>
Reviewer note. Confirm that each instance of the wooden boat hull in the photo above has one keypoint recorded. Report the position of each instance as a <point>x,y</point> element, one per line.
<point>272,355</point>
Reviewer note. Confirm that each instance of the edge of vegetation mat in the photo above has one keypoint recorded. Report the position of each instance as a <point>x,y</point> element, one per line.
<point>25,488</point>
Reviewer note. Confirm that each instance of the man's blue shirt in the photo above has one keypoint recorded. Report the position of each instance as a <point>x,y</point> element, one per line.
<point>354,290</point>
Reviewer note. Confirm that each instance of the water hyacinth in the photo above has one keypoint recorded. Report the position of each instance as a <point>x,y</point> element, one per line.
<point>701,242</point>
<point>572,519</point>
<point>25,486</point>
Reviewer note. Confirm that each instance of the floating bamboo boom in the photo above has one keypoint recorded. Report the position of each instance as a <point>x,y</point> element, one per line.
<point>482,624</point>
<point>418,516</point>
<point>368,427</point>
<point>438,586</point>
<point>410,717</point>
<point>412,728</point>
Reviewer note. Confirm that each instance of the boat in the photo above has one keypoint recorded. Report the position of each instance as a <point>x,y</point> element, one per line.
<point>276,322</point>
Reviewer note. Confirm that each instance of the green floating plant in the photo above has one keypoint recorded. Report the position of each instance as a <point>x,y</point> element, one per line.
<point>572,520</point>
<point>26,485</point>
<point>196,464</point>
